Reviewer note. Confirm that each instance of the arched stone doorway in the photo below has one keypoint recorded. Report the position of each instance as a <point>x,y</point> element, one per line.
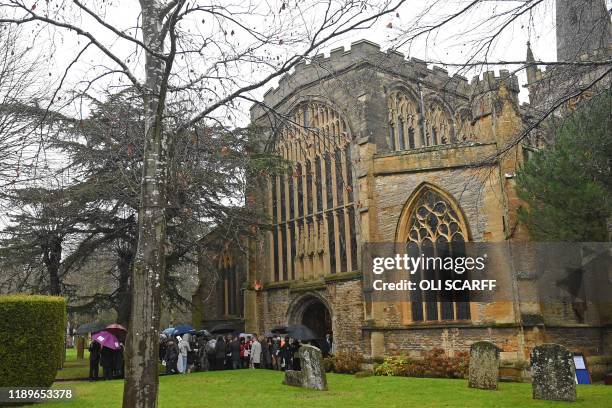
<point>314,313</point>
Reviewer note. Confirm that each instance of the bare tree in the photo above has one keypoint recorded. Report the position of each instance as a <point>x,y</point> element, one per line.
<point>186,53</point>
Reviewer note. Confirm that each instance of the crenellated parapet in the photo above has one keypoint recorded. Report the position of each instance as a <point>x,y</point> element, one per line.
<point>366,53</point>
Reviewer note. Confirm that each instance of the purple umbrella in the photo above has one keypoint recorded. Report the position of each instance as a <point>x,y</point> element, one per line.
<point>106,340</point>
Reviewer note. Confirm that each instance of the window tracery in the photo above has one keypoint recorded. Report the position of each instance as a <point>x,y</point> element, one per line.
<point>404,129</point>
<point>435,228</point>
<point>438,125</point>
<point>311,208</point>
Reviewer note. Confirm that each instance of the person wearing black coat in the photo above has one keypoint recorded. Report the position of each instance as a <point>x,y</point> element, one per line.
<point>94,360</point>
<point>220,351</point>
<point>286,355</point>
<point>295,348</point>
<point>171,357</point>
<point>234,349</point>
<point>106,361</point>
<point>118,362</point>
<point>266,353</point>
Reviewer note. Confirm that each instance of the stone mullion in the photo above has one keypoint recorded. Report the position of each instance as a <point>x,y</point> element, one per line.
<point>326,255</point>
<point>289,270</point>
<point>347,240</point>
<point>225,294</point>
<point>270,234</point>
<point>337,242</point>
<point>279,237</point>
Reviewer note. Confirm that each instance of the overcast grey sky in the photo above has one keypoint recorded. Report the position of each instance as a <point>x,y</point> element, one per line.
<point>452,44</point>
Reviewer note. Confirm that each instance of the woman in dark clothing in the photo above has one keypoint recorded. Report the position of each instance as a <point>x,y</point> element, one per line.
<point>94,360</point>
<point>220,351</point>
<point>106,361</point>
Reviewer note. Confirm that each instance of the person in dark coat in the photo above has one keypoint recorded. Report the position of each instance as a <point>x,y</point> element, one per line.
<point>94,360</point>
<point>266,353</point>
<point>286,355</point>
<point>162,348</point>
<point>171,357</point>
<point>106,361</point>
<point>295,348</point>
<point>220,351</point>
<point>118,362</point>
<point>326,346</point>
<point>202,356</point>
<point>235,353</point>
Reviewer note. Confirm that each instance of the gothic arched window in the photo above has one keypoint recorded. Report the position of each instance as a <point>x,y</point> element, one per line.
<point>404,130</point>
<point>438,125</point>
<point>311,209</point>
<point>433,226</point>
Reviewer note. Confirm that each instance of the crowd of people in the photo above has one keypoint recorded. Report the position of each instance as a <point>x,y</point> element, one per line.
<point>183,354</point>
<point>110,360</point>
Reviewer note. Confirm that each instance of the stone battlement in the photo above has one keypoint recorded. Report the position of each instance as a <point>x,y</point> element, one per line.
<point>365,52</point>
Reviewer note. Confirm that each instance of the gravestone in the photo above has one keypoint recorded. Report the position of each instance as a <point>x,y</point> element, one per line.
<point>553,373</point>
<point>484,365</point>
<point>312,374</point>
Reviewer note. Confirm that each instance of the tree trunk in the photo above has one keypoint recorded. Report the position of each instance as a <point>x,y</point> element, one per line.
<point>141,377</point>
<point>52,256</point>
<point>124,291</point>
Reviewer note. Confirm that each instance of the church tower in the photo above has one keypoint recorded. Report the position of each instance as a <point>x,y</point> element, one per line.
<point>582,26</point>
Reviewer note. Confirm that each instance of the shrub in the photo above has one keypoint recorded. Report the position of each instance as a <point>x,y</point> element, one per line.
<point>363,374</point>
<point>435,364</point>
<point>328,364</point>
<point>31,339</point>
<point>343,363</point>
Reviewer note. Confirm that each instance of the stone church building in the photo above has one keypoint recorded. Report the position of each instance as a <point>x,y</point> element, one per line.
<point>384,149</point>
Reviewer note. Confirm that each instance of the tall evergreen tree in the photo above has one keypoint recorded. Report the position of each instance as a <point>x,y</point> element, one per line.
<point>568,187</point>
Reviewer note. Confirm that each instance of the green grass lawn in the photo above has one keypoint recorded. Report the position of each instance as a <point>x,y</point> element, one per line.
<point>262,388</point>
<point>73,368</point>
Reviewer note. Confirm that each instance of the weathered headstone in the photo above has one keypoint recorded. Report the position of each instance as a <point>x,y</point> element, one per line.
<point>312,374</point>
<point>553,373</point>
<point>484,365</point>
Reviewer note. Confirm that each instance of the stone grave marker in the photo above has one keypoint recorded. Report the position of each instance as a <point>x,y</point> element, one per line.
<point>312,374</point>
<point>484,365</point>
<point>553,373</point>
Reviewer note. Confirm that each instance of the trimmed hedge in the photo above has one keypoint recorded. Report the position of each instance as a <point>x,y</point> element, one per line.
<point>31,339</point>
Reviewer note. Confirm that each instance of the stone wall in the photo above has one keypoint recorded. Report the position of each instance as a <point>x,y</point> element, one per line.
<point>343,298</point>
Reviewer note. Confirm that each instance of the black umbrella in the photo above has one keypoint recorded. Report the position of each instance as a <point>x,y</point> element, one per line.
<point>90,328</point>
<point>223,328</point>
<point>279,330</point>
<point>203,333</point>
<point>301,333</point>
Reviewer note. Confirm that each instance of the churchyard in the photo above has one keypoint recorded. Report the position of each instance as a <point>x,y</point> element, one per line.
<point>237,388</point>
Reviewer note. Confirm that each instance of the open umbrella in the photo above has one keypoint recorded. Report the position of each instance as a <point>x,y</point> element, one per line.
<point>106,340</point>
<point>116,330</point>
<point>168,332</point>
<point>90,328</point>
<point>223,328</point>
<point>203,333</point>
<point>301,332</point>
<point>182,329</point>
<point>279,330</point>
